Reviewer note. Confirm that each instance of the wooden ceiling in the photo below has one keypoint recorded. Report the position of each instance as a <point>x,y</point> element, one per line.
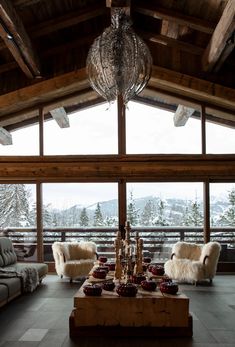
<point>44,45</point>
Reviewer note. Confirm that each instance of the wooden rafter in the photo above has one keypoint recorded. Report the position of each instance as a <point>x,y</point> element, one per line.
<point>178,18</point>
<point>222,40</point>
<point>57,90</point>
<point>43,92</point>
<point>25,3</point>
<point>167,41</point>
<point>152,95</point>
<point>192,87</point>
<point>66,21</point>
<point>182,115</point>
<point>5,137</point>
<point>118,3</point>
<point>17,41</point>
<point>8,66</point>
<point>60,116</point>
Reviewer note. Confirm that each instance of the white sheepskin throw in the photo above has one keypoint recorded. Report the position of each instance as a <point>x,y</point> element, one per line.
<point>78,268</point>
<point>81,250</point>
<point>189,265</point>
<point>212,250</point>
<point>74,259</point>
<point>184,270</point>
<point>187,250</point>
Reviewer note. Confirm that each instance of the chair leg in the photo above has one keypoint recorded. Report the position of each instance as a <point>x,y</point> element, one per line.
<point>61,276</point>
<point>210,281</point>
<point>71,280</point>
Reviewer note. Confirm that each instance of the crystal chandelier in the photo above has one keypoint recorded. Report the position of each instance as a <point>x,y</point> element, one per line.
<point>119,62</point>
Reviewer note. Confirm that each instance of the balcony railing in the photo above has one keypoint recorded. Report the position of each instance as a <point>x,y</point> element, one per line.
<point>158,241</point>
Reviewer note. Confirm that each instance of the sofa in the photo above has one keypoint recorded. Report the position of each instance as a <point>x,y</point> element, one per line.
<point>17,277</point>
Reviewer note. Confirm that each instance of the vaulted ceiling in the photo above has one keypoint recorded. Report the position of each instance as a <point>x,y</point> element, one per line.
<point>44,46</point>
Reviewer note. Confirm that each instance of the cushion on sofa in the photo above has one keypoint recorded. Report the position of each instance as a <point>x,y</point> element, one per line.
<point>40,267</point>
<point>1,261</point>
<point>13,286</point>
<point>7,252</point>
<point>3,294</point>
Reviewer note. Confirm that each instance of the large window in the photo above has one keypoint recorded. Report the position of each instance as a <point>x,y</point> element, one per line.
<point>165,213</point>
<point>165,204</point>
<point>151,130</point>
<point>18,218</point>
<point>25,141</point>
<point>219,138</point>
<point>74,212</point>
<point>92,131</point>
<point>80,204</point>
<point>222,212</point>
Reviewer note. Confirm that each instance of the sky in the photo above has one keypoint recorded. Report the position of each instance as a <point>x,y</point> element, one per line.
<point>94,131</point>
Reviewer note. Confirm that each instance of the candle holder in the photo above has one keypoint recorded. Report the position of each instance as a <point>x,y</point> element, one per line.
<point>131,261</point>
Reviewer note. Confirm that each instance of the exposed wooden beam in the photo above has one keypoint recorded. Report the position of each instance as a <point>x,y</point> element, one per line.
<point>108,168</point>
<point>167,41</point>
<point>16,122</point>
<point>25,3</point>
<point>124,4</point>
<point>216,117</point>
<point>5,137</point>
<point>181,115</point>
<point>17,41</point>
<point>66,21</point>
<point>81,41</point>
<point>194,88</point>
<point>215,114</point>
<point>44,91</point>
<point>75,101</point>
<point>8,66</point>
<point>222,40</point>
<point>163,81</point>
<point>118,3</point>
<point>178,18</point>
<point>60,116</point>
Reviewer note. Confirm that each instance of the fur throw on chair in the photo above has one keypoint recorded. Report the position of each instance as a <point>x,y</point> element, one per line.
<point>192,262</point>
<point>74,259</point>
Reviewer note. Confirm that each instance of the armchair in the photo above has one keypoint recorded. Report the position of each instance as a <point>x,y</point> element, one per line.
<point>192,262</point>
<point>74,259</point>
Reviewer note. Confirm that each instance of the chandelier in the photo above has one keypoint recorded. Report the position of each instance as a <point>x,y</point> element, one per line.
<point>119,62</point>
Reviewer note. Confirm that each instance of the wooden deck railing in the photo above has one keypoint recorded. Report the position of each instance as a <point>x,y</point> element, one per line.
<point>158,241</point>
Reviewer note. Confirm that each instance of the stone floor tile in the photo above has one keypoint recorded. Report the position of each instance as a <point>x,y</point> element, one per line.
<point>34,335</point>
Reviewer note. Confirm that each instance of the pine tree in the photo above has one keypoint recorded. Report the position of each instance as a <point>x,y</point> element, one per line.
<point>228,217</point>
<point>132,211</point>
<point>98,218</point>
<point>161,220</point>
<point>46,215</point>
<point>195,215</point>
<point>84,219</point>
<point>186,217</point>
<point>147,215</point>
<point>14,205</point>
<point>110,222</point>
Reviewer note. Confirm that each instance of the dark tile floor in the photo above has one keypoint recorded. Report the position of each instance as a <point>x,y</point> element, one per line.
<point>42,318</point>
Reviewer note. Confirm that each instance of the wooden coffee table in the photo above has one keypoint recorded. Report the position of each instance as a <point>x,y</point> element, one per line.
<point>148,314</point>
